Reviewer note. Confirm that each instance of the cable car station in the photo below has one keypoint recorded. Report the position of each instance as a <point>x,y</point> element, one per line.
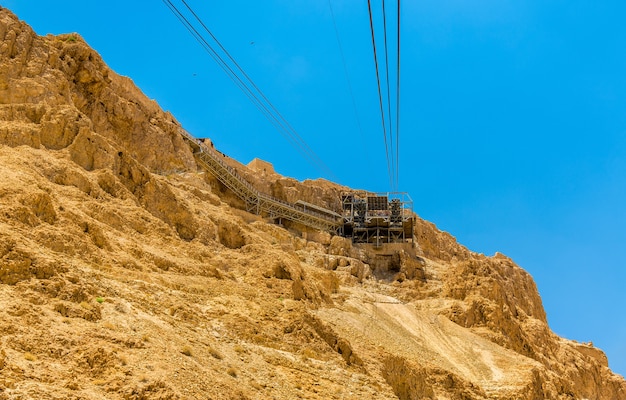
<point>377,218</point>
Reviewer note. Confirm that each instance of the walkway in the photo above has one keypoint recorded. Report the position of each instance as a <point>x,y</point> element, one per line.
<point>256,201</point>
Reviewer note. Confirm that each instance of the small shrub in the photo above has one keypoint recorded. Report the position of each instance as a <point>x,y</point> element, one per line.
<point>100,300</point>
<point>215,353</point>
<point>186,351</point>
<point>232,372</point>
<point>30,357</point>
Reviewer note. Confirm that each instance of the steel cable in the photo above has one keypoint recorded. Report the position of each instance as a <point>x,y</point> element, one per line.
<point>345,69</point>
<point>380,97</point>
<point>286,123</point>
<point>393,167</point>
<point>398,106</point>
<point>266,107</point>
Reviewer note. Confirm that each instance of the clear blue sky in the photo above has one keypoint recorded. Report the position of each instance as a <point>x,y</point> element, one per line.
<point>513,118</point>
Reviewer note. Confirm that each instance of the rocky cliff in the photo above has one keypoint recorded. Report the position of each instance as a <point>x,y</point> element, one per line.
<point>128,273</point>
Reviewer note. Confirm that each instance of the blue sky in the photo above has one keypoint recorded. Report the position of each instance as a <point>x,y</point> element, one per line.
<point>512,131</point>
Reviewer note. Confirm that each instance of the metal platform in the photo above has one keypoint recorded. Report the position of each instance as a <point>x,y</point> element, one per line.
<point>377,218</point>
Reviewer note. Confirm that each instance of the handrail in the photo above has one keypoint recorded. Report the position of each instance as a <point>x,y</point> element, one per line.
<point>264,201</point>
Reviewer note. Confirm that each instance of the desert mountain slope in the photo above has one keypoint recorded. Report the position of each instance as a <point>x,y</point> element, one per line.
<point>126,272</point>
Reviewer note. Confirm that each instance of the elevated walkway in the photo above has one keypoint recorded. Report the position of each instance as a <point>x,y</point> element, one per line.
<point>257,202</point>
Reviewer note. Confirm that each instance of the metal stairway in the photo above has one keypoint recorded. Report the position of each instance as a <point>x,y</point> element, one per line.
<point>256,201</point>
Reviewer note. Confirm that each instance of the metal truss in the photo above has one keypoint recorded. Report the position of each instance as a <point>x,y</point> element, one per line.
<point>377,218</point>
<point>257,202</point>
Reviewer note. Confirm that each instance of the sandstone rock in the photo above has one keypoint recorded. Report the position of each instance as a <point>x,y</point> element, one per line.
<point>15,263</point>
<point>84,310</point>
<point>118,258</point>
<point>408,381</point>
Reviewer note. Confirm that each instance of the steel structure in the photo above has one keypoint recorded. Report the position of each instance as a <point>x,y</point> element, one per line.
<point>257,202</point>
<point>377,218</point>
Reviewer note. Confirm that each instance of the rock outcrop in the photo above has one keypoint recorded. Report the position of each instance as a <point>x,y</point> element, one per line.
<point>128,273</point>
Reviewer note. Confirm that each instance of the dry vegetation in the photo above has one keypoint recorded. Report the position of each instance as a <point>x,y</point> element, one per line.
<point>127,273</point>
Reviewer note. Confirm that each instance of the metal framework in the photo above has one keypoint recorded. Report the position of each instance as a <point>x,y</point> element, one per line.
<point>377,218</point>
<point>257,202</point>
<point>365,217</point>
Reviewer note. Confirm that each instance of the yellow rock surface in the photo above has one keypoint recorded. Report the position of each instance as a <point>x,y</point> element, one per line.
<point>128,273</point>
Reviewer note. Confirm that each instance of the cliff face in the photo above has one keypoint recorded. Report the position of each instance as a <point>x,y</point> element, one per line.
<point>57,93</point>
<point>127,273</point>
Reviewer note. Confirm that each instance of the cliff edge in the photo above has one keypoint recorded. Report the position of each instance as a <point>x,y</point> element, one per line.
<point>128,272</point>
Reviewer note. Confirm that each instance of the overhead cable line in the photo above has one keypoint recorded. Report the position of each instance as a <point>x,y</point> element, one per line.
<point>221,62</point>
<point>380,96</point>
<point>393,167</point>
<point>345,69</point>
<point>246,84</point>
<point>389,120</point>
<point>398,105</point>
<point>293,132</point>
<point>218,60</point>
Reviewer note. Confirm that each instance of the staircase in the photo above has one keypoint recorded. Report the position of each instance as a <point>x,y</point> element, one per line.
<point>256,201</point>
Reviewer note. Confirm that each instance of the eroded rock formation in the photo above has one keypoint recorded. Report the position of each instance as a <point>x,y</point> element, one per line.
<point>126,272</point>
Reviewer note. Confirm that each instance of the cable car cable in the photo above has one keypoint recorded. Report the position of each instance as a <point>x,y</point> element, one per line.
<point>275,117</point>
<point>380,98</point>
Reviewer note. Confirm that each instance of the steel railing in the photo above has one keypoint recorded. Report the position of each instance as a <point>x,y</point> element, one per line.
<point>256,201</point>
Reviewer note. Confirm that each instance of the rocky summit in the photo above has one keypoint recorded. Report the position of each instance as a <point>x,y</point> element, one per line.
<point>129,272</point>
